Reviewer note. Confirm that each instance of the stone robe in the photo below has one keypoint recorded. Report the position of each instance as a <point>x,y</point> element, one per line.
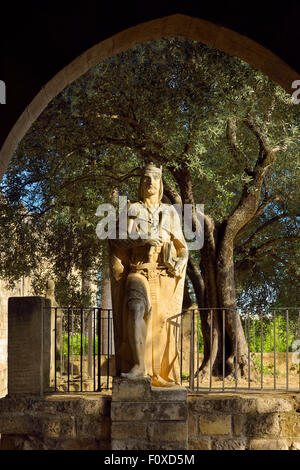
<point>154,278</point>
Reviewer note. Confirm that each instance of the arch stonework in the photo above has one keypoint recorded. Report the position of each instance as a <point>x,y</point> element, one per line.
<point>196,29</point>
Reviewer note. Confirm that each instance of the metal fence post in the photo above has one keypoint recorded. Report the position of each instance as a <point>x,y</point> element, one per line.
<point>192,352</point>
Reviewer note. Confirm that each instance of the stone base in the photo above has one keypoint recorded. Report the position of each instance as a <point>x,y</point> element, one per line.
<point>141,420</point>
<point>80,421</point>
<point>56,422</point>
<point>262,421</point>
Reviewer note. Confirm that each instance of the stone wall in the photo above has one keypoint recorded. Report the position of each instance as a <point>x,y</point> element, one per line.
<point>215,422</point>
<point>244,422</point>
<point>68,422</point>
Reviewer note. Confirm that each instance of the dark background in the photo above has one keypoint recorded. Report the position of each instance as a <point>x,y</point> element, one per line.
<point>39,38</point>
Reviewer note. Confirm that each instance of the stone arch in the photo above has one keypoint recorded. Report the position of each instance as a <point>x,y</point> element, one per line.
<point>196,29</point>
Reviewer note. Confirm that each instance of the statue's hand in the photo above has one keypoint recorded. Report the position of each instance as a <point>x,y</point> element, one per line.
<point>154,242</point>
<point>179,267</point>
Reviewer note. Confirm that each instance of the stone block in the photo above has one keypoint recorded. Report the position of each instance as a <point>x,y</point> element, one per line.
<point>175,25</point>
<point>125,430</point>
<point>238,422</point>
<point>22,125</point>
<point>55,85</point>
<point>148,411</point>
<point>98,427</point>
<point>7,442</point>
<point>22,404</point>
<point>131,390</point>
<point>122,444</point>
<point>237,405</point>
<point>214,424</point>
<point>58,426</point>
<point>80,404</point>
<point>192,424</point>
<point>230,405</point>
<point>268,444</point>
<point>171,394</point>
<point>19,424</point>
<point>199,443</point>
<point>203,31</point>
<point>137,444</point>
<point>76,68</point>
<point>171,431</point>
<point>142,390</point>
<point>229,444</point>
<point>7,150</point>
<point>273,404</point>
<point>34,443</point>
<point>79,444</point>
<point>36,107</point>
<point>262,425</point>
<point>290,424</point>
<point>126,39</point>
<point>99,52</point>
<point>18,442</point>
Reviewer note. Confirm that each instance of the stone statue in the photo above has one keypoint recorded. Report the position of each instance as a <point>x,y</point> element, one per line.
<point>147,275</point>
<point>50,287</point>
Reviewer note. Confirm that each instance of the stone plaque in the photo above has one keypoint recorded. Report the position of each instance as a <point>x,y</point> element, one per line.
<point>29,342</point>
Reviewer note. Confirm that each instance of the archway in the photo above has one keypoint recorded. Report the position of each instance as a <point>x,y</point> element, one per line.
<point>195,29</point>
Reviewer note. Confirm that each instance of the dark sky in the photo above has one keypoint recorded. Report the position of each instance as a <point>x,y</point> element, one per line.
<point>39,38</point>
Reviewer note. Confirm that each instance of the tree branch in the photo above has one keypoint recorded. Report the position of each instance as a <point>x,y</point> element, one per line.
<point>267,153</point>
<point>258,212</point>
<point>231,137</point>
<point>261,228</point>
<point>197,281</point>
<point>290,266</point>
<point>172,194</point>
<point>95,178</point>
<point>275,241</point>
<point>134,145</point>
<point>247,207</point>
<point>135,125</point>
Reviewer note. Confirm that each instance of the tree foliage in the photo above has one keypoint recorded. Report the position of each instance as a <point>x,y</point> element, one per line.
<point>179,103</point>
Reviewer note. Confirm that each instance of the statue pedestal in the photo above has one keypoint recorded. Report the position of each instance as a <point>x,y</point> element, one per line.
<point>148,418</point>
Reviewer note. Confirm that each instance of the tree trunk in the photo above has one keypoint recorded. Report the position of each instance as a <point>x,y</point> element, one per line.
<point>214,287</point>
<point>220,322</point>
<point>236,346</point>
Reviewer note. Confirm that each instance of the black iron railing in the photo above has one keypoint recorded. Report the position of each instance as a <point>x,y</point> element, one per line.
<point>82,349</point>
<point>83,359</point>
<point>272,360</point>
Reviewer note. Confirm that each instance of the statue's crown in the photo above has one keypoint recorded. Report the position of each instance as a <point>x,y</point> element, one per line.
<point>150,168</point>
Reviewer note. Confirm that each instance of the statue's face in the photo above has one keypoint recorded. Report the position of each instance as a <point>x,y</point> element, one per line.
<point>151,184</point>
